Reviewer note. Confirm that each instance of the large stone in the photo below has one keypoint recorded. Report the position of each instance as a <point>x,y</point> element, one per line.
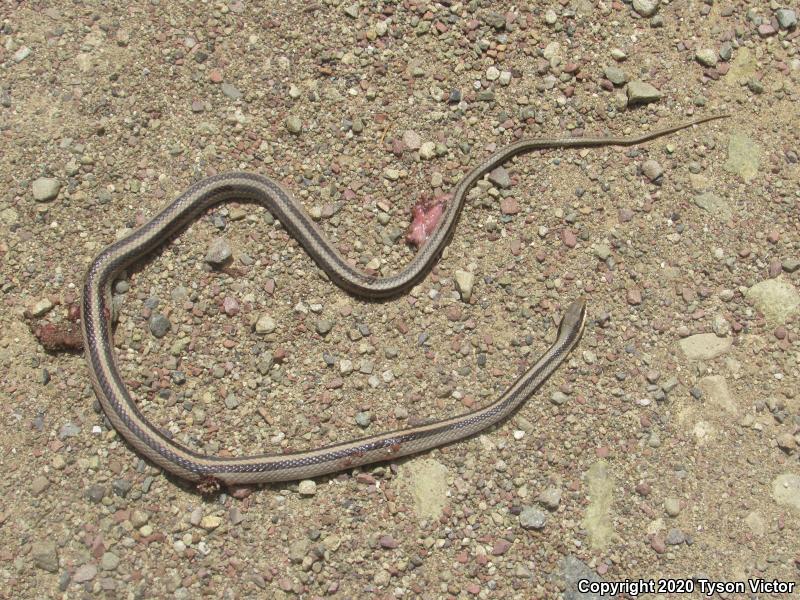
<point>597,521</point>
<point>777,299</point>
<point>704,346</point>
<point>786,490</point>
<point>426,481</point>
<point>744,157</point>
<point>715,388</point>
<point>714,205</point>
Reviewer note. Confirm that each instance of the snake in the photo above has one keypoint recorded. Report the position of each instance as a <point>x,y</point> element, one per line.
<point>210,471</point>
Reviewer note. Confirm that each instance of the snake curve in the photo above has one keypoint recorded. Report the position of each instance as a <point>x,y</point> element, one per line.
<point>179,460</point>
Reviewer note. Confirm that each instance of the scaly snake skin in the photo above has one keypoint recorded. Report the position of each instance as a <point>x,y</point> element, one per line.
<point>129,421</point>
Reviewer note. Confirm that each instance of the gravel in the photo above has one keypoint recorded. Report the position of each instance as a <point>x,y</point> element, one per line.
<point>625,464</point>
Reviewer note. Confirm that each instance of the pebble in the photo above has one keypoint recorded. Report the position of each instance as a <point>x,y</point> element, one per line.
<point>652,170</point>
<point>109,561</point>
<point>210,522</point>
<point>41,307</point>
<point>231,91</point>
<point>615,75</point>
<point>427,150</point>
<point>640,92</point>
<point>307,487</point>
<point>39,484</point>
<point>45,555</point>
<point>68,430</point>
<point>219,251</point>
<point>159,325</point>
<point>84,573</point>
<point>786,17</point>
<point>21,54</point>
<point>363,418</point>
<point>464,283</point>
<point>45,189</point>
<point>411,139</point>
<point>294,124</point>
<point>646,8</point>
<point>324,326</point>
<point>532,518</point>
<point>550,498</point>
<point>777,299</point>
<point>230,306</point>
<point>634,296</point>
<point>265,324</point>
<point>558,398</point>
<point>672,506</point>
<point>706,57</point>
<point>499,176</point>
<point>675,537</point>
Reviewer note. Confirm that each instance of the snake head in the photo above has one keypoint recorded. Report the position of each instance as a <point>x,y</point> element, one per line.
<point>574,318</point>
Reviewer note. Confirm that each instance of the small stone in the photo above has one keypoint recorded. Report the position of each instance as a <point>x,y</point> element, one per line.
<point>388,542</point>
<point>464,283</point>
<point>427,150</point>
<point>159,325</point>
<point>84,573</point>
<point>657,544</point>
<point>550,498</point>
<point>640,92</point>
<point>532,518</point>
<point>500,547</point>
<point>391,174</point>
<point>786,17</point>
<point>21,54</point>
<point>265,324</point>
<point>109,562</point>
<point>646,8</point>
<point>509,206</point>
<point>675,537</point>
<point>45,189</point>
<point>634,296</point>
<point>231,91</point>
<point>499,177</point>
<point>558,398</point>
<point>790,265</point>
<point>324,326</point>
<point>706,57</point>
<point>41,308</point>
<point>602,251</point>
<point>231,401</point>
<point>363,419</point>
<point>230,306</point>
<point>219,251</point>
<point>294,124</point>
<point>672,506</point>
<point>786,442</point>
<point>411,139</point>
<point>307,487</point>
<point>652,170</point>
<point>45,555</point>
<point>39,485</point>
<point>210,522</point>
<point>615,75</point>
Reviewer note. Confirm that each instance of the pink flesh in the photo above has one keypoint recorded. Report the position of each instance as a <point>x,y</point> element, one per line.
<point>426,218</point>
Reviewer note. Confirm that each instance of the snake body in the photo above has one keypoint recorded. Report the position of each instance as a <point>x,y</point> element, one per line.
<point>157,446</point>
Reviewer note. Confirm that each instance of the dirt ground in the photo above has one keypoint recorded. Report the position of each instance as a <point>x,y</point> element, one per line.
<point>665,448</point>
